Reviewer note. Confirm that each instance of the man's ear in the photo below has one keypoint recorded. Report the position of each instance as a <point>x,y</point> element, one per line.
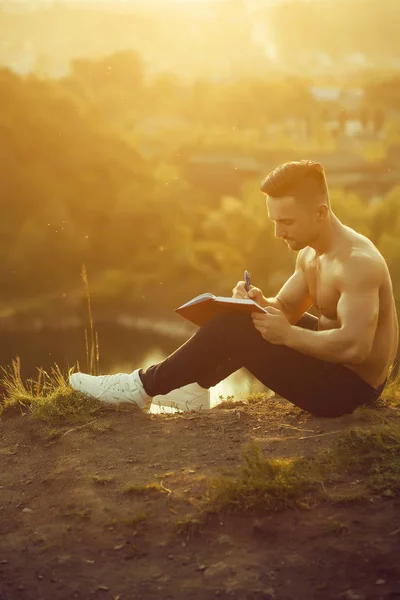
<point>322,212</point>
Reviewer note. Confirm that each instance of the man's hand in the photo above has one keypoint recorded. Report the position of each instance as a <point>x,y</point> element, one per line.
<point>273,326</point>
<point>239,291</point>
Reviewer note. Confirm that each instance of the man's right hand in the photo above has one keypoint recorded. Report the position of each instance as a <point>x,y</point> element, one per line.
<point>239,291</point>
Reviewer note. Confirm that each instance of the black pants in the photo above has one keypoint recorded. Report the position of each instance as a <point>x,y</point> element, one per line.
<point>229,342</point>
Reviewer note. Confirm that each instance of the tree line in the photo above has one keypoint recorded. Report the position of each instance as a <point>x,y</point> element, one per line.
<point>88,177</point>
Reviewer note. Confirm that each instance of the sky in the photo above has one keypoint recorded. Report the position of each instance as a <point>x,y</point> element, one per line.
<point>132,2</point>
<point>9,3</point>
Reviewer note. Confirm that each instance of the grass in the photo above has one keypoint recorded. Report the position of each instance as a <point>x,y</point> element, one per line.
<point>48,398</point>
<point>373,454</point>
<point>369,457</point>
<point>229,402</point>
<point>391,394</point>
<point>133,488</point>
<point>91,337</point>
<point>103,479</point>
<point>263,483</point>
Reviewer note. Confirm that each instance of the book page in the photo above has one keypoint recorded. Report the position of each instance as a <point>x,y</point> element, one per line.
<point>234,300</point>
<point>201,298</point>
<point>237,301</point>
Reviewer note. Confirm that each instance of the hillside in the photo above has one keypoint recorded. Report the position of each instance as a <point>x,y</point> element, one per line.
<point>114,507</point>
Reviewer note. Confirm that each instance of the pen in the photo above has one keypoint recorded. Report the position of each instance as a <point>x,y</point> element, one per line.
<point>247,281</point>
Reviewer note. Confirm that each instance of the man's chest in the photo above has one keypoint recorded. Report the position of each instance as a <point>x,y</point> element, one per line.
<point>322,280</point>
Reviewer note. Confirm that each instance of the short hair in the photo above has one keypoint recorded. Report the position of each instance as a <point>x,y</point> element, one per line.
<point>301,179</point>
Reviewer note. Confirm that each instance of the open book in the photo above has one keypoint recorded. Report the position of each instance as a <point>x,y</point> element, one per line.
<point>201,309</point>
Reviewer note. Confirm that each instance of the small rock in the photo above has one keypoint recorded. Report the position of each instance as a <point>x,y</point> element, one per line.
<point>3,562</point>
<point>380,582</point>
<point>202,567</point>
<point>40,577</point>
<point>103,588</point>
<point>119,547</point>
<point>27,510</point>
<point>171,556</point>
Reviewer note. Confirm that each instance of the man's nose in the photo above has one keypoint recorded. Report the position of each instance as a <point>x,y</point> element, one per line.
<point>279,232</point>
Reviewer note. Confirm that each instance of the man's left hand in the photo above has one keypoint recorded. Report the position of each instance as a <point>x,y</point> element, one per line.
<point>273,326</point>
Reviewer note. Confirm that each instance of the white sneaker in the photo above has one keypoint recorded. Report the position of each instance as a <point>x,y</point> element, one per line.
<point>112,389</point>
<point>188,397</point>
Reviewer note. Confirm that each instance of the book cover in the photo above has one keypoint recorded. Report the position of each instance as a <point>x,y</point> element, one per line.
<point>202,308</point>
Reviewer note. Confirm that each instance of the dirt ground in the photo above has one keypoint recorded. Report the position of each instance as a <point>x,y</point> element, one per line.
<point>70,527</point>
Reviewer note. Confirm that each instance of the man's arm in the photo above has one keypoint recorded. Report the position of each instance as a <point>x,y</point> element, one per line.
<point>357,312</point>
<point>293,299</point>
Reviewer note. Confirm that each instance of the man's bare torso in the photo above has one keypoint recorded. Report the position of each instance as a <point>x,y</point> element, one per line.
<point>323,274</point>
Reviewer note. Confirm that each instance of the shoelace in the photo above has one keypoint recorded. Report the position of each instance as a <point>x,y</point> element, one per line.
<point>117,379</point>
<point>123,381</point>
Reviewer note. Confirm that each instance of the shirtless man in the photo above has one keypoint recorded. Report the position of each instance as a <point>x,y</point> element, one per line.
<point>329,364</point>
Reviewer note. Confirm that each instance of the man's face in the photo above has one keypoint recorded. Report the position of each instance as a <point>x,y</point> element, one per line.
<point>295,222</point>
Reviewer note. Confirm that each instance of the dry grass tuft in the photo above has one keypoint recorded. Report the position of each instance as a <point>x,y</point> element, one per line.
<point>149,488</point>
<point>391,394</point>
<point>48,398</point>
<point>264,483</point>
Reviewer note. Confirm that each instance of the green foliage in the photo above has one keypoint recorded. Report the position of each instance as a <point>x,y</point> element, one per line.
<point>154,203</point>
<point>371,456</point>
<point>264,483</point>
